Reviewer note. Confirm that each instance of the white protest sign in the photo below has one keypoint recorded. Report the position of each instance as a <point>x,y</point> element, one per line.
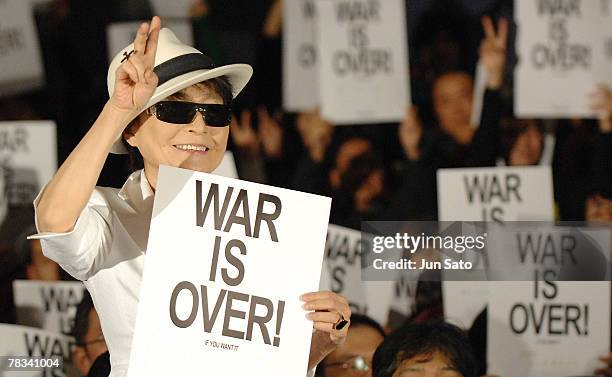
<point>363,65</point>
<point>489,194</point>
<point>343,250</point>
<point>227,167</point>
<point>564,48</point>
<point>20,57</point>
<point>121,34</point>
<point>28,151</point>
<point>174,8</point>
<point>47,305</point>
<point>31,342</point>
<point>300,89</point>
<point>227,261</point>
<point>547,329</point>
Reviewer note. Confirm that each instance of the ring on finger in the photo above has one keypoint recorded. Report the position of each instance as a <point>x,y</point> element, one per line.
<point>341,323</point>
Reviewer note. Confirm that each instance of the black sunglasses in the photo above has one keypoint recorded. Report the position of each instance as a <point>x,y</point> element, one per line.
<point>181,112</point>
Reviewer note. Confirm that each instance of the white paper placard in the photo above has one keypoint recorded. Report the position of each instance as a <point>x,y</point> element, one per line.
<point>172,9</point>
<point>564,48</point>
<point>121,34</point>
<point>300,75</point>
<point>227,167</point>
<point>49,305</point>
<point>247,255</point>
<point>343,250</point>
<point>28,150</point>
<point>363,65</point>
<point>489,194</point>
<point>31,342</point>
<point>537,336</point>
<point>20,58</point>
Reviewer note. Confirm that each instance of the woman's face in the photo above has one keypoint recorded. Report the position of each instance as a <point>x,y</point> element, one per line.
<point>434,365</point>
<point>162,143</point>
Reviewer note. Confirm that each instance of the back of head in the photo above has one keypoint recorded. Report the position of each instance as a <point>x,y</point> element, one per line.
<point>415,340</point>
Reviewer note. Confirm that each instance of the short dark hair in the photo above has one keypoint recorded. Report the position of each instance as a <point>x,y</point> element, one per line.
<point>220,85</point>
<point>425,339</point>
<point>81,318</point>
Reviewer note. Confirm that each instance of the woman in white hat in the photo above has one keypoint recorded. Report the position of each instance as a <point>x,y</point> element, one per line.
<point>158,89</point>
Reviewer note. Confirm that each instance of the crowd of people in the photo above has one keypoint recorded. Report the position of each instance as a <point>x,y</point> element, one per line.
<point>371,172</point>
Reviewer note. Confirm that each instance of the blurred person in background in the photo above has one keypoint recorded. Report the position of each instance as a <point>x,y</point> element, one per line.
<point>88,336</point>
<point>435,349</point>
<point>354,357</point>
<point>522,142</point>
<point>454,143</point>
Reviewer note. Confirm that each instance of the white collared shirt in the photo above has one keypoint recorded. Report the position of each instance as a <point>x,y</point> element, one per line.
<point>106,250</point>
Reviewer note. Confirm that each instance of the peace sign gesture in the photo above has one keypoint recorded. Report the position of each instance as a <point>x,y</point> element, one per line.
<point>493,51</point>
<point>135,81</point>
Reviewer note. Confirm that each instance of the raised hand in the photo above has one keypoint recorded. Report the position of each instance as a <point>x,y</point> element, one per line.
<point>316,134</point>
<point>600,101</point>
<point>243,134</point>
<point>410,132</point>
<point>270,134</point>
<point>493,51</point>
<point>135,81</point>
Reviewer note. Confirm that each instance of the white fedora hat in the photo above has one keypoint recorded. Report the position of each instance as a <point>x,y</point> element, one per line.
<point>178,66</point>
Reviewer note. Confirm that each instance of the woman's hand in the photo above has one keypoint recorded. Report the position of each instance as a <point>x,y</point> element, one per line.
<point>326,310</point>
<point>270,133</point>
<point>493,51</point>
<point>600,101</point>
<point>135,81</point>
<point>605,371</point>
<point>243,134</point>
<point>410,132</point>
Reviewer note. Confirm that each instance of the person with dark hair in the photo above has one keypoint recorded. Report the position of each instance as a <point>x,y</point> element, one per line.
<point>522,142</point>
<point>169,105</point>
<point>425,350</point>
<point>454,142</point>
<point>87,333</point>
<point>354,357</point>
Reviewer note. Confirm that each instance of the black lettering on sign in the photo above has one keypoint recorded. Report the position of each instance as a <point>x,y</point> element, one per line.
<point>547,248</point>
<point>550,319</point>
<point>350,11</point>
<point>60,300</point>
<point>490,187</point>
<point>307,55</point>
<point>561,56</point>
<point>308,9</point>
<point>14,140</point>
<point>338,275</point>
<point>11,40</point>
<point>566,8</point>
<point>225,300</point>
<point>46,346</point>
<point>364,62</point>
<point>342,246</point>
<point>240,205</point>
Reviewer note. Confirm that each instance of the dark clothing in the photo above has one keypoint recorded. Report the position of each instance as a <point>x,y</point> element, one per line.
<point>417,196</point>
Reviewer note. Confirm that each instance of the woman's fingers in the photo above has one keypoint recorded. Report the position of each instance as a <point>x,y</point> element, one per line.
<point>140,42</point>
<point>129,68</point>
<point>502,32</point>
<point>489,29</point>
<point>153,37</point>
<point>329,317</point>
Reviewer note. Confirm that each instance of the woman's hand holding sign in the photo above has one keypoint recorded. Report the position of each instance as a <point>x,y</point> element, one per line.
<point>330,314</point>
